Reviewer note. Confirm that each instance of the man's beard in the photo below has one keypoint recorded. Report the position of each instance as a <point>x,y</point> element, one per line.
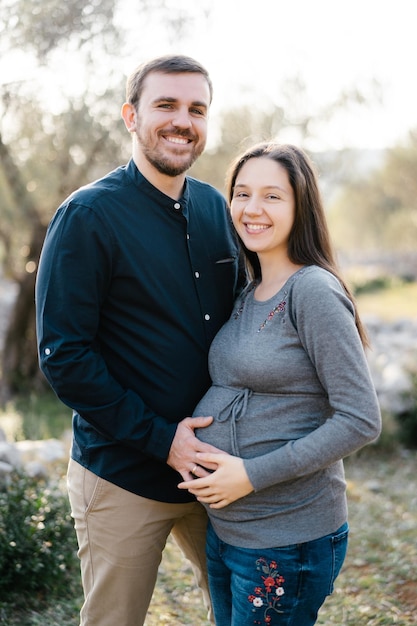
<point>165,167</point>
<point>164,164</point>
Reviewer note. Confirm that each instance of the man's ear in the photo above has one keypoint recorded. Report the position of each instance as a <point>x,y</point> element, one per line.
<point>129,116</point>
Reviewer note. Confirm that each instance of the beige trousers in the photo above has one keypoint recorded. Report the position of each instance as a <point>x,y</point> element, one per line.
<point>121,537</point>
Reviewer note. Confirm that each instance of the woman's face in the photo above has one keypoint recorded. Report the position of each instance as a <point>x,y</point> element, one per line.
<point>263,206</point>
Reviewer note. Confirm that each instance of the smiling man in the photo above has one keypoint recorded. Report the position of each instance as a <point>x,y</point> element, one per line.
<point>137,274</point>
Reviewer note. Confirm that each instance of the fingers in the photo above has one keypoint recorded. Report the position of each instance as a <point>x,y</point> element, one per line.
<point>211,456</point>
<point>214,500</point>
<point>187,477</point>
<point>219,505</point>
<point>198,422</point>
<point>199,471</point>
<point>206,493</point>
<point>192,484</point>
<point>203,490</point>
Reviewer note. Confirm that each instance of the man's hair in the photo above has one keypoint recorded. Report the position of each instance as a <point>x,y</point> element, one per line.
<point>168,64</point>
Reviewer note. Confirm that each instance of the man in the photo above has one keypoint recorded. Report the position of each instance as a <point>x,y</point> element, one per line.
<point>137,273</point>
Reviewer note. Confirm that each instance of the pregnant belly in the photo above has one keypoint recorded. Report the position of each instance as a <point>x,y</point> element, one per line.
<point>249,424</point>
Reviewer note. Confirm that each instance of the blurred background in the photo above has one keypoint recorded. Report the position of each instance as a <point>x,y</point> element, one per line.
<point>335,78</point>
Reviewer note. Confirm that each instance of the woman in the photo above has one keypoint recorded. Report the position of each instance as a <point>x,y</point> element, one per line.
<point>291,396</point>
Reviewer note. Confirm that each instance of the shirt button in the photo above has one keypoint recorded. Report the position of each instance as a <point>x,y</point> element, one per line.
<point>207,317</point>
<point>47,351</point>
<point>188,236</point>
<point>197,274</point>
<point>177,206</point>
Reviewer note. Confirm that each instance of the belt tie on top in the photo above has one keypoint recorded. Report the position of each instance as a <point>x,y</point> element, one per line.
<point>233,411</point>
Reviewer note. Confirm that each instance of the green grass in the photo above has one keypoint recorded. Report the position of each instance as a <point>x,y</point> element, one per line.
<point>397,301</point>
<point>378,583</point>
<point>35,416</point>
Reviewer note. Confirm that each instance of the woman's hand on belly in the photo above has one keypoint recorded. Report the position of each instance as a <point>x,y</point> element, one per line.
<point>227,483</point>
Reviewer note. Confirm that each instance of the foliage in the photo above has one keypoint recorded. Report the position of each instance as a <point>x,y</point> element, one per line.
<point>52,23</point>
<point>378,210</point>
<point>371,285</point>
<point>37,539</point>
<point>44,156</point>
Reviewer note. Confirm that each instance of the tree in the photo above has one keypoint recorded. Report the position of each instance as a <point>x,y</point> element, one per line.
<point>378,212</point>
<point>44,156</point>
<point>36,190</point>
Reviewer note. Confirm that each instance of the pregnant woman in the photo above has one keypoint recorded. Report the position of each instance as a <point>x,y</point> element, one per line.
<point>291,397</point>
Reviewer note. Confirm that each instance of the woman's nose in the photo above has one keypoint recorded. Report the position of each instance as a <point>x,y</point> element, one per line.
<point>253,206</point>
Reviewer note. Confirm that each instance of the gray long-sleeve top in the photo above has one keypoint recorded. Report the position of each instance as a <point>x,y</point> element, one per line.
<point>292,395</point>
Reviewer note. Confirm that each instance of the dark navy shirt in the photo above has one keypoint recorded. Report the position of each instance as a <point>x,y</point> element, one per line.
<point>132,286</point>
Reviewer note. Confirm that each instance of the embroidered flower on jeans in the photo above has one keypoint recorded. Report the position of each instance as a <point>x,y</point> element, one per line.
<point>266,597</point>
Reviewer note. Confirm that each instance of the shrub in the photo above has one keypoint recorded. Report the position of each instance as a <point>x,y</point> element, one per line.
<point>372,285</point>
<point>37,539</point>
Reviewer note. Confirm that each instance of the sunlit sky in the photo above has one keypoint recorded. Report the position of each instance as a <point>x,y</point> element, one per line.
<point>253,49</point>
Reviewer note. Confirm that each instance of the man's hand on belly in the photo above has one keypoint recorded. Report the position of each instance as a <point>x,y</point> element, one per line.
<point>185,446</point>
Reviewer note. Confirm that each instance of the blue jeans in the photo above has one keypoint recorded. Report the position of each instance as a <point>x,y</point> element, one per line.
<point>273,586</point>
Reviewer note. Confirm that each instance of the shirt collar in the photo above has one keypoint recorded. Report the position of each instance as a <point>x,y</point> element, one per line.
<point>176,206</point>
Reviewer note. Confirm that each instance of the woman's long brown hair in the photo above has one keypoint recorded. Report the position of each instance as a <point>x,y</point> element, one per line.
<point>309,241</point>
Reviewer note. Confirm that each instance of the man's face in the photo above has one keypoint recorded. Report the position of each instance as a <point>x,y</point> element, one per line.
<point>171,120</point>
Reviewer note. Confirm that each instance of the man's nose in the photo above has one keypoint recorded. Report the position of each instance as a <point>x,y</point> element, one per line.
<point>182,118</point>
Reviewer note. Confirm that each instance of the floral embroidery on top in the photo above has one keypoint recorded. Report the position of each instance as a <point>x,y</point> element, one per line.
<point>267,596</point>
<point>280,308</point>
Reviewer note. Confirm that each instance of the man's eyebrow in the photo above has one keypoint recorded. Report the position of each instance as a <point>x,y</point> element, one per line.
<point>196,103</point>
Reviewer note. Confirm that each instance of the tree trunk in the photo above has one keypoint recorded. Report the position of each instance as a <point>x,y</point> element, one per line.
<point>20,360</point>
